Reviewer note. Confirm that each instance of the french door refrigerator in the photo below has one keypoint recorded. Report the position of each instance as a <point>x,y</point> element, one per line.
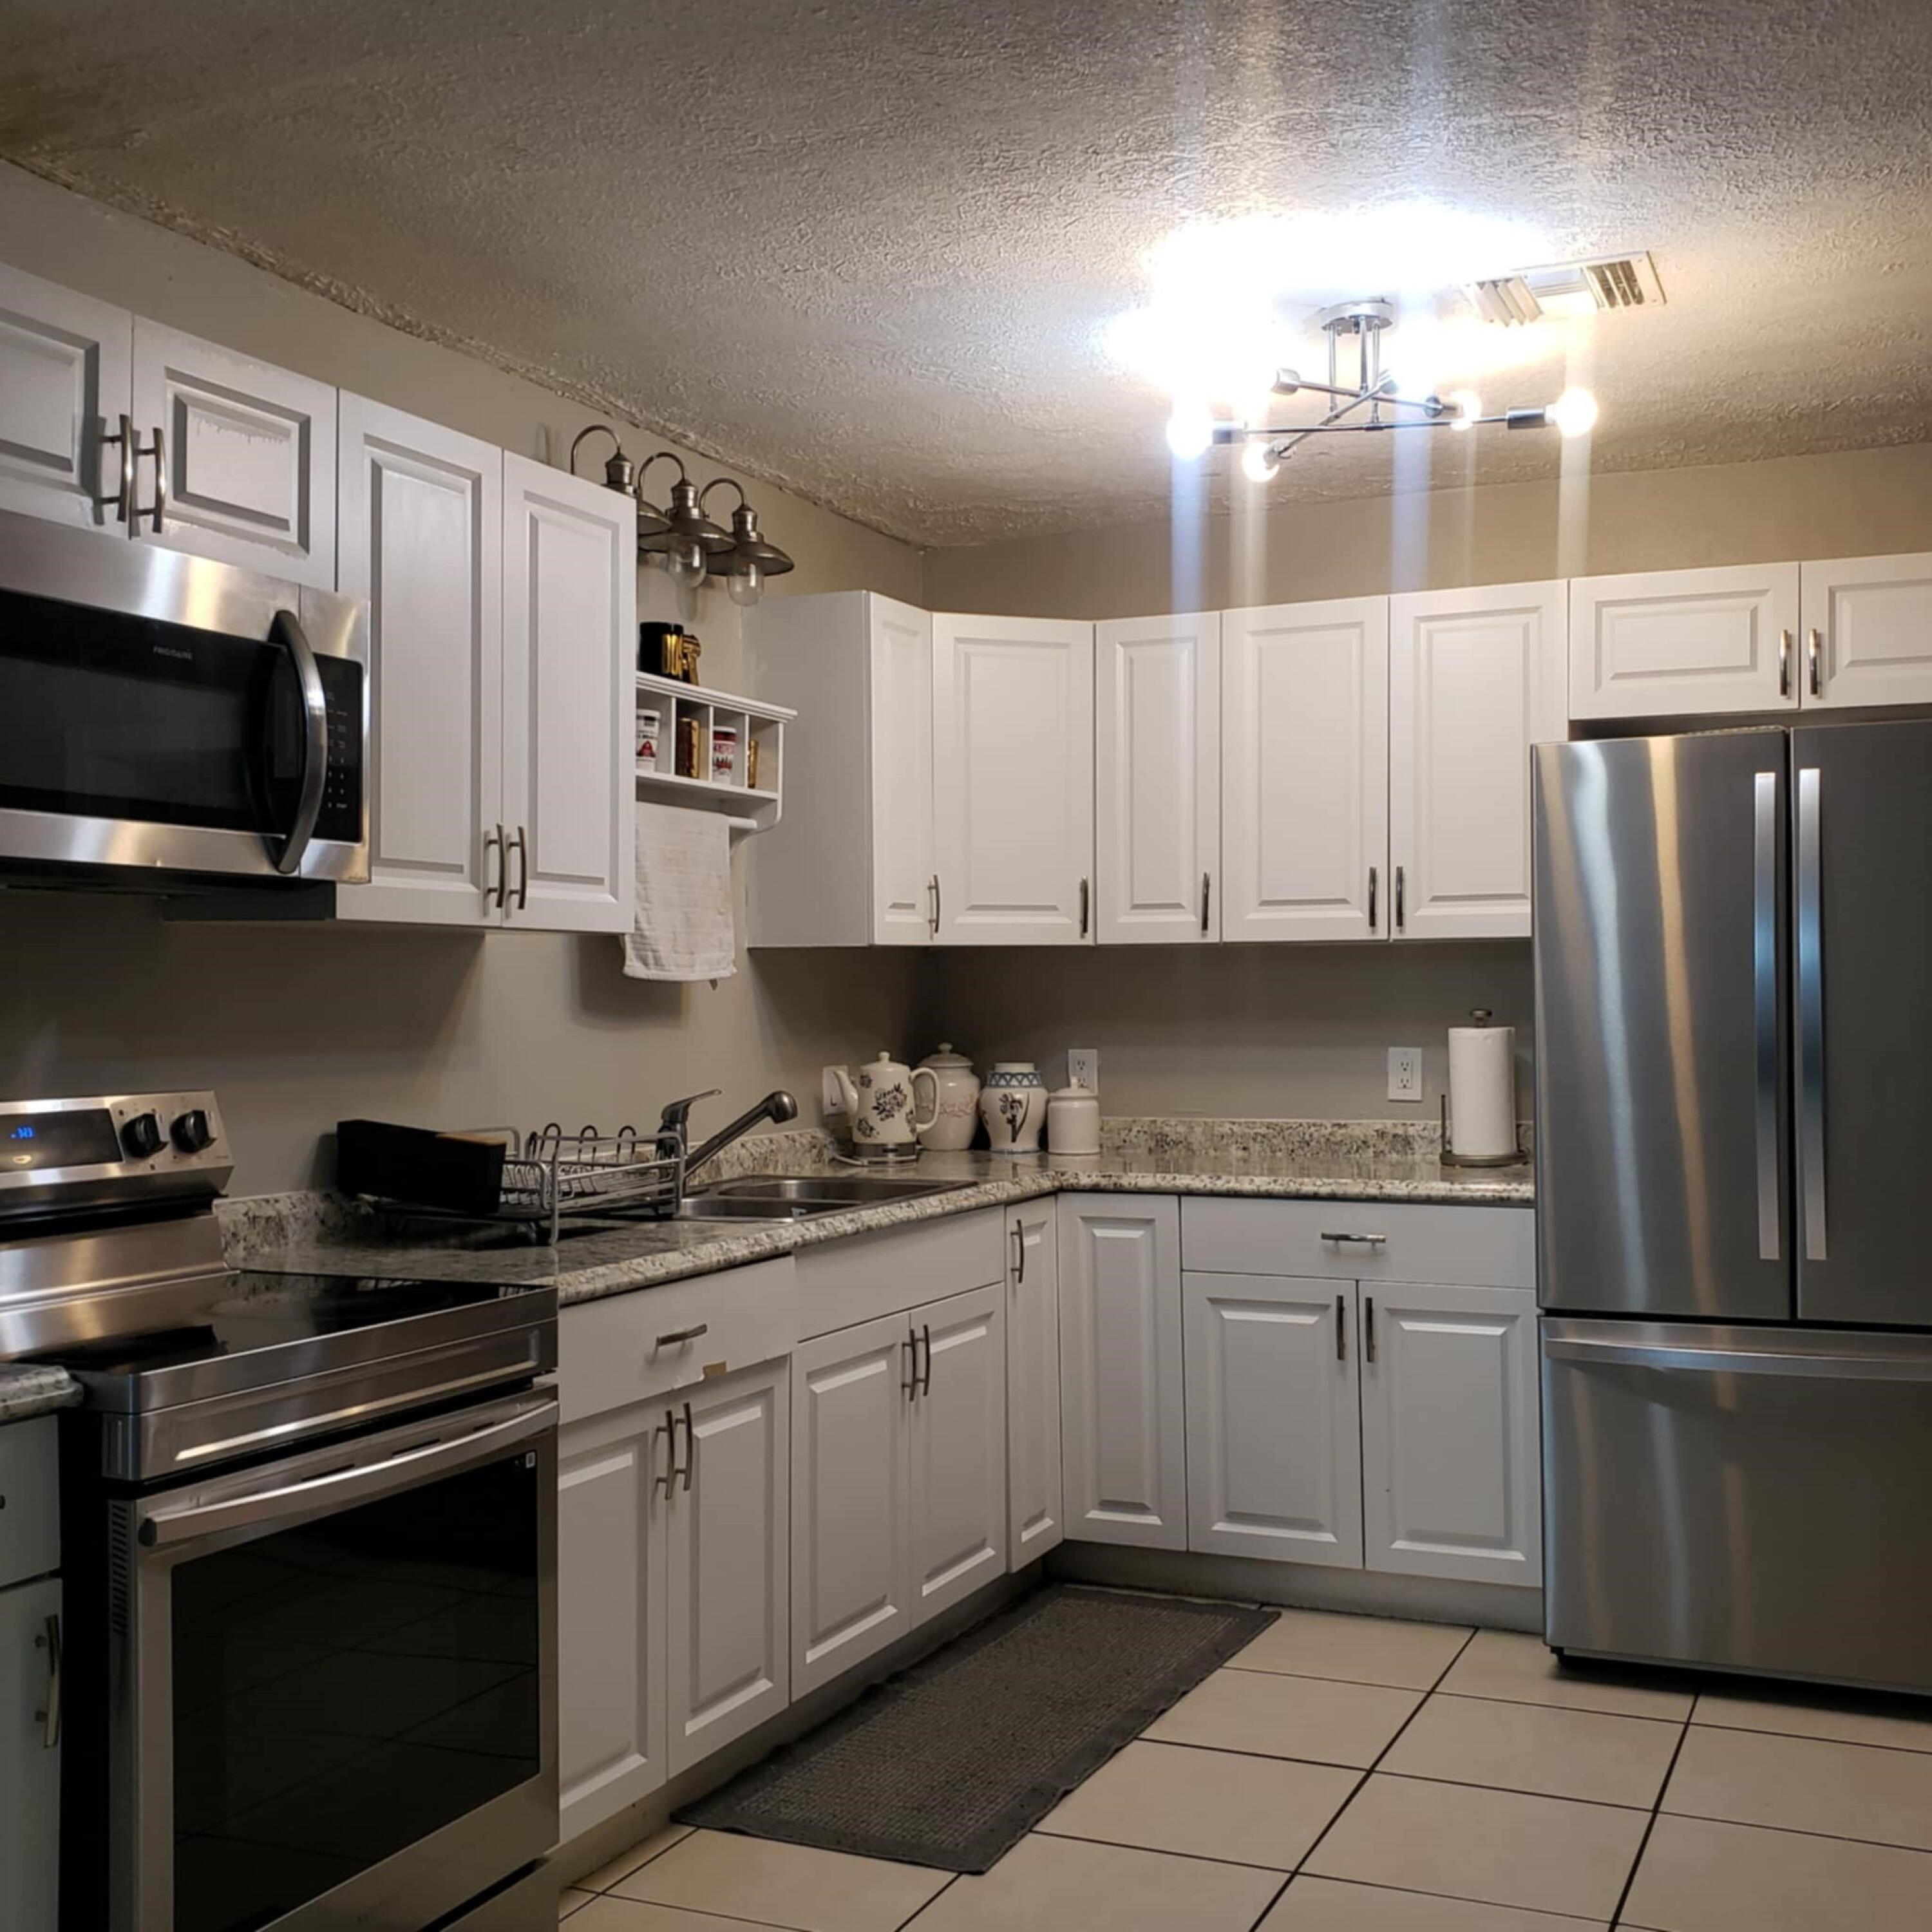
<point>1734,1198</point>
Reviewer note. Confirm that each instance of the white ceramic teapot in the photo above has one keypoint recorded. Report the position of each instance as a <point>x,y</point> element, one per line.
<point>882,1104</point>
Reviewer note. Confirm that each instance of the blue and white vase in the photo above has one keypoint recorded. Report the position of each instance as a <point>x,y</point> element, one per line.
<point>1013,1105</point>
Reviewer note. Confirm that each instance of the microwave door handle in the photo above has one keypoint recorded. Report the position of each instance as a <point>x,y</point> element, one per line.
<point>287,632</point>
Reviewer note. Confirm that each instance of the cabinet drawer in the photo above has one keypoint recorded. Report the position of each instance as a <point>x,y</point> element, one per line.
<point>841,1283</point>
<point>29,1498</point>
<point>1493,1247</point>
<point>627,1348</point>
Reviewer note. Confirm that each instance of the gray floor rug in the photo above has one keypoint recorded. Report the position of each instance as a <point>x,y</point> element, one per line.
<point>950,1763</point>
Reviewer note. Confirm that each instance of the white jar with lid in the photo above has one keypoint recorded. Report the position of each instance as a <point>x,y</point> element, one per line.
<point>957,1119</point>
<point>1073,1120</point>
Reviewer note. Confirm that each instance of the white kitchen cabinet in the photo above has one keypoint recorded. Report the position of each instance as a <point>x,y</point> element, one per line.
<point>1273,1426</point>
<point>851,1413</point>
<point>1684,643</point>
<point>1157,779</point>
<point>570,586</point>
<point>1123,1442</point>
<point>1476,677</point>
<point>1450,1480</point>
<point>421,542</point>
<point>1304,755</point>
<point>1034,1520</point>
<point>248,452</point>
<point>1867,632</point>
<point>727,1540</point>
<point>611,1657</point>
<point>956,1488</point>
<point>66,361</point>
<point>852,861</point>
<point>30,1758</point>
<point>1012,704</point>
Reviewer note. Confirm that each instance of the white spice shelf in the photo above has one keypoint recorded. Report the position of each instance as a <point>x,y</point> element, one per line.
<point>729,734</point>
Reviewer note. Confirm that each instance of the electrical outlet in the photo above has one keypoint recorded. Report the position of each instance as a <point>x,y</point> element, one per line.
<point>833,1101</point>
<point>1404,1073</point>
<point>1083,1067</point>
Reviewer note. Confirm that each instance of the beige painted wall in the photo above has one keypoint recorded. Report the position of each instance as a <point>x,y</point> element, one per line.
<point>296,1027</point>
<point>1854,503</point>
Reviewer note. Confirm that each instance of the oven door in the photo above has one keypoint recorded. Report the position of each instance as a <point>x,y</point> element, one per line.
<point>335,1697</point>
<point>160,711</point>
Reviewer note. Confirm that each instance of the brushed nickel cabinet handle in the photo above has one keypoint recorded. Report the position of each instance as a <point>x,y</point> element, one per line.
<point>690,1448</point>
<point>1341,1328</point>
<point>123,501</point>
<point>909,1388</point>
<point>1019,1255</point>
<point>925,1334</point>
<point>1207,886</point>
<point>1360,1241</point>
<point>1086,906</point>
<point>493,841</point>
<point>1369,1325</point>
<point>932,887</point>
<point>1784,664</point>
<point>1373,882</point>
<point>158,509</point>
<point>1401,899</point>
<point>50,1719</point>
<point>522,844</point>
<point>668,1430</point>
<point>1814,658</point>
<point>677,1335</point>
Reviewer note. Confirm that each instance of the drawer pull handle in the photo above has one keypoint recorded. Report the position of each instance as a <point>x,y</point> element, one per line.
<point>50,1719</point>
<point>677,1335</point>
<point>669,1431</point>
<point>1360,1240</point>
<point>1341,1329</point>
<point>1369,1324</point>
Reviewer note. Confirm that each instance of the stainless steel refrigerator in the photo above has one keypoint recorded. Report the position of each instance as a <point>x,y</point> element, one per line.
<point>1734,1198</point>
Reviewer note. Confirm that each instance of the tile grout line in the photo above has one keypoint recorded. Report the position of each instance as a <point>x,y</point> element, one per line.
<point>1650,1823</point>
<point>919,1910</point>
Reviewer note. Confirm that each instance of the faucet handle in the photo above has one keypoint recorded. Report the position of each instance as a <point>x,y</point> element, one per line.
<point>676,1118</point>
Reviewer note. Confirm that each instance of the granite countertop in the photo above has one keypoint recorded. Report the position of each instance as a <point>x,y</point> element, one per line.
<point>1283,1160</point>
<point>29,1389</point>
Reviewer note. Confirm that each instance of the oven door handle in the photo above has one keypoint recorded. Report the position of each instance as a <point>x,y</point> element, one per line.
<point>287,632</point>
<point>343,1488</point>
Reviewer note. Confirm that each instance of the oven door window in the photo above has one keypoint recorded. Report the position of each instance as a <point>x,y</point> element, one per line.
<point>105,715</point>
<point>343,1688</point>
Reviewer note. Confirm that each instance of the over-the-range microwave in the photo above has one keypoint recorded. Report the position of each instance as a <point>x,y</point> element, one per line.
<point>160,713</point>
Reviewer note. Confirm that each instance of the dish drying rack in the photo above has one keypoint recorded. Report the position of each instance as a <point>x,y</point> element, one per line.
<point>551,1175</point>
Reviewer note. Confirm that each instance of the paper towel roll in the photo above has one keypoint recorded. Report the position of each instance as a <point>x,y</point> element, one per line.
<point>1482,1091</point>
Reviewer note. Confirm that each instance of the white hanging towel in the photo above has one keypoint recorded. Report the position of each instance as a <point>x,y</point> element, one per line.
<point>681,928</point>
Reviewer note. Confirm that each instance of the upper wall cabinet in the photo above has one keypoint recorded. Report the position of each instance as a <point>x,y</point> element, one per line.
<point>1475,678</point>
<point>66,361</point>
<point>1661,644</point>
<point>1304,749</point>
<point>1157,779</point>
<point>1867,632</point>
<point>1013,711</point>
<point>109,420</point>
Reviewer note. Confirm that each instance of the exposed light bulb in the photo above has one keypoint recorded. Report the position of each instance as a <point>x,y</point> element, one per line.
<point>1574,412</point>
<point>1469,405</point>
<point>686,564</point>
<point>1259,463</point>
<point>1190,430</point>
<point>745,584</point>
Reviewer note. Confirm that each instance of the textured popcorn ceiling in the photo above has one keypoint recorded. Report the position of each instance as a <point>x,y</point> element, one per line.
<point>864,250</point>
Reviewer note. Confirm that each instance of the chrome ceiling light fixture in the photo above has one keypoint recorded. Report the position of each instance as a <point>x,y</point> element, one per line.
<point>685,538</point>
<point>752,557</point>
<point>1372,403</point>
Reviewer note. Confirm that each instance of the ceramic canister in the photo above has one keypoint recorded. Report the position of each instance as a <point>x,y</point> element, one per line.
<point>1073,1120</point>
<point>958,1119</point>
<point>1013,1106</point>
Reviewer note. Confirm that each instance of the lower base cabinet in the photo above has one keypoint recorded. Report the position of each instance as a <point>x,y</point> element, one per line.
<point>29,1764</point>
<point>1035,1517</point>
<point>1451,1480</point>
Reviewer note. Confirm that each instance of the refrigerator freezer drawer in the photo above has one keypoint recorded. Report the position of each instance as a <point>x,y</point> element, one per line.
<point>1756,1499</point>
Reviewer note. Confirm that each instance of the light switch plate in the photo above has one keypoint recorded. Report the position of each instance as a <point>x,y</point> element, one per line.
<point>1404,1073</point>
<point>1083,1067</point>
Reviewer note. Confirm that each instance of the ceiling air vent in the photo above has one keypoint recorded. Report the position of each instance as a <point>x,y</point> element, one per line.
<point>1569,289</point>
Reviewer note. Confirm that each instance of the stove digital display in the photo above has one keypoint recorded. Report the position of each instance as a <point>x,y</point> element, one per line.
<point>31,1141</point>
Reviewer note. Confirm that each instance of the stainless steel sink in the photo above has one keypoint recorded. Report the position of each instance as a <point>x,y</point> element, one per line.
<point>795,1197</point>
<point>725,1207</point>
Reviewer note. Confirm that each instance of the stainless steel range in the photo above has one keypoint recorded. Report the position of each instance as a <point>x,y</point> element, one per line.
<point>309,1537</point>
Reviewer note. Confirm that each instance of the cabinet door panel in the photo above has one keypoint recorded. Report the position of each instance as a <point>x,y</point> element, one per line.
<point>1013,765</point>
<point>728,1556</point>
<point>1476,677</point>
<point>421,531</point>
<point>65,362</point>
<point>1683,643</point>
<point>1157,768</point>
<point>1867,632</point>
<point>1034,1522</point>
<point>249,452</point>
<point>610,1606</point>
<point>1125,1459</point>
<point>850,1581</point>
<point>904,862</point>
<point>29,1772</point>
<point>1450,1478</point>
<point>957,1487</point>
<point>1273,1426</point>
<point>570,587</point>
<point>1304,751</point>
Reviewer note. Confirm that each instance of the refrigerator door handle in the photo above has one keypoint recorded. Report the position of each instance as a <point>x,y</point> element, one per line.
<point>1764,1005</point>
<point>1913,1367</point>
<point>1810,1018</point>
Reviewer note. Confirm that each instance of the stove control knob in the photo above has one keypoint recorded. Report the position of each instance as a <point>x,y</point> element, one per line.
<point>141,1136</point>
<point>190,1132</point>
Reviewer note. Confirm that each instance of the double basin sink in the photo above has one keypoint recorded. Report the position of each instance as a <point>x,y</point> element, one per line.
<point>798,1197</point>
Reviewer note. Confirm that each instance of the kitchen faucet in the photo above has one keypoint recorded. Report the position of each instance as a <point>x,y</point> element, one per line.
<point>777,1106</point>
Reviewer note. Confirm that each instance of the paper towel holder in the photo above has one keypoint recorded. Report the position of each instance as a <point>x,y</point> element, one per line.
<point>1514,1158</point>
